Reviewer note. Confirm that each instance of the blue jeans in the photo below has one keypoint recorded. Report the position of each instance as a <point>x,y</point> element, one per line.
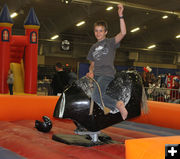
<point>10,89</point>
<point>103,82</point>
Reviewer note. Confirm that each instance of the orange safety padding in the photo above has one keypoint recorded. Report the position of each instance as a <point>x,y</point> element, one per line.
<point>34,107</point>
<point>26,107</point>
<point>149,148</point>
<point>161,114</point>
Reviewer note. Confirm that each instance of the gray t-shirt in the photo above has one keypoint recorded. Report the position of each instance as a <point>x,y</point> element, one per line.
<point>102,53</point>
<point>10,79</point>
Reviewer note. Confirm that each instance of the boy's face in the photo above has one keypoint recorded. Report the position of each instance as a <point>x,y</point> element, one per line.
<point>100,32</point>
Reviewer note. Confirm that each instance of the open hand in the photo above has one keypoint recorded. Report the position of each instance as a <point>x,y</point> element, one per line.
<point>120,9</point>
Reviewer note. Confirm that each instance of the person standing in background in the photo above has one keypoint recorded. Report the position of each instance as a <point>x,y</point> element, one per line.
<point>10,81</point>
<point>72,76</point>
<point>60,80</point>
<point>175,92</point>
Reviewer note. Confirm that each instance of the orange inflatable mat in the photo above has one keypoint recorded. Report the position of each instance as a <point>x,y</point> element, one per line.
<point>161,114</point>
<point>15,109</point>
<point>149,148</point>
<point>26,107</point>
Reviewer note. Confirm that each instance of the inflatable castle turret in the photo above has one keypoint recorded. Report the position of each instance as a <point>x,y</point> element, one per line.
<point>5,40</point>
<point>31,52</point>
<point>16,48</point>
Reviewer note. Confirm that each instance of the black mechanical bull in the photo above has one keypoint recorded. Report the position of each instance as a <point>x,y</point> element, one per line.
<point>75,102</point>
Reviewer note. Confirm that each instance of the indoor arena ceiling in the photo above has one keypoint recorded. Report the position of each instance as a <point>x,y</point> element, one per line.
<point>57,17</point>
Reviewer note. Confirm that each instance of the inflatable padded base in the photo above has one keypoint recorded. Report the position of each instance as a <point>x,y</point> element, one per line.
<point>82,140</point>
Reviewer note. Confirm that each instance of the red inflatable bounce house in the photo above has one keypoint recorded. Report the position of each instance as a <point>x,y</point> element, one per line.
<point>14,48</point>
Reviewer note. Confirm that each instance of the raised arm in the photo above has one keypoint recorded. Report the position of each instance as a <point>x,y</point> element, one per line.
<point>122,33</point>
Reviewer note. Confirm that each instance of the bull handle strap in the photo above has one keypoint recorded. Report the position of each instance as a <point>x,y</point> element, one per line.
<point>92,102</point>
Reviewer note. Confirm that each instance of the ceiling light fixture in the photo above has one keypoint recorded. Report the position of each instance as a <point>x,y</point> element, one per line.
<point>54,37</point>
<point>66,1</point>
<point>135,29</point>
<point>109,8</point>
<point>151,46</point>
<point>165,17</point>
<point>13,15</point>
<point>178,36</point>
<point>80,23</point>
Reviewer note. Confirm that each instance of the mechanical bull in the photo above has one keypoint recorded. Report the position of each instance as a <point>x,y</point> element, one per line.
<point>75,102</point>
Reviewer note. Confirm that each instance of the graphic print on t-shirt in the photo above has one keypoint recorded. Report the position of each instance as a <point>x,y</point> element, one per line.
<point>100,51</point>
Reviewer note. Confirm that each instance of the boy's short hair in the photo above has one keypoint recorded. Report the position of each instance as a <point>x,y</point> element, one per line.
<point>101,23</point>
<point>58,65</point>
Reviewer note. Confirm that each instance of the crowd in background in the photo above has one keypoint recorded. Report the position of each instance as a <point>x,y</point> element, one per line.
<point>164,87</point>
<point>157,87</point>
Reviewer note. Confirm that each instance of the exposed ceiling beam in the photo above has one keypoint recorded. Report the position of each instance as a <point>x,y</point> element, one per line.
<point>128,4</point>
